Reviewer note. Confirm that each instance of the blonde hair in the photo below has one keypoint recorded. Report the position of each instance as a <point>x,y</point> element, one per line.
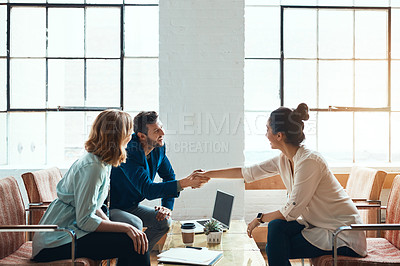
<point>109,130</point>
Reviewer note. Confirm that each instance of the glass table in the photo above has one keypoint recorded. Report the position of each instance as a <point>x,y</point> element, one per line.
<point>237,247</point>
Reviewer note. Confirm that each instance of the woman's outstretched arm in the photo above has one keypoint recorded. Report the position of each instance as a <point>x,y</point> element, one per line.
<point>235,172</point>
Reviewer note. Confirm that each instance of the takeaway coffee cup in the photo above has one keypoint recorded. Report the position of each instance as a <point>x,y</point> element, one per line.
<point>188,233</point>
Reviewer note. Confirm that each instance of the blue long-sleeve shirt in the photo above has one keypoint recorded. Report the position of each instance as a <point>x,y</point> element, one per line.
<point>132,182</point>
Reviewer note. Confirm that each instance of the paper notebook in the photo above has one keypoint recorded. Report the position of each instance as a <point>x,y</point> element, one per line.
<point>190,256</point>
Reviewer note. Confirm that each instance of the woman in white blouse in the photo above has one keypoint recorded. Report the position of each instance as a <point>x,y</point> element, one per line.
<point>316,205</point>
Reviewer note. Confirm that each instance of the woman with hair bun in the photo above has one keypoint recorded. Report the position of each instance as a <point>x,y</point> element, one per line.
<point>316,202</point>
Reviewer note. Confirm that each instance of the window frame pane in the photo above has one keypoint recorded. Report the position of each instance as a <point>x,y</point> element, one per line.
<point>134,32</point>
<point>51,108</point>
<point>59,106</point>
<point>349,107</point>
<point>25,29</point>
<point>3,30</point>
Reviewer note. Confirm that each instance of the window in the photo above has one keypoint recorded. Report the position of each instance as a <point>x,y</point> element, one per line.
<point>67,61</point>
<point>339,60</point>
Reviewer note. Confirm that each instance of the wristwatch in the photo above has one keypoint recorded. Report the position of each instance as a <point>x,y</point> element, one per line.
<point>259,217</point>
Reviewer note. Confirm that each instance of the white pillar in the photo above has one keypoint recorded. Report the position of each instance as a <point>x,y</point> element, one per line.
<point>201,95</point>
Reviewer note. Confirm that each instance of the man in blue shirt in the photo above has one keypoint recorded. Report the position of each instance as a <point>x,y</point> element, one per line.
<point>132,182</point>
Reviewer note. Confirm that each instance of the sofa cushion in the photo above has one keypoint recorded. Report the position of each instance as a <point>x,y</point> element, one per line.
<point>23,257</point>
<point>380,252</point>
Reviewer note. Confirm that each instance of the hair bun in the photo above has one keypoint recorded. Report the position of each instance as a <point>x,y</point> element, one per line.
<point>302,111</point>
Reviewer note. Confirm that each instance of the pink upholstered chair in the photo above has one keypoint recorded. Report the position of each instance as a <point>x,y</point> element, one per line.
<point>381,251</point>
<point>14,249</point>
<point>41,189</point>
<point>364,186</point>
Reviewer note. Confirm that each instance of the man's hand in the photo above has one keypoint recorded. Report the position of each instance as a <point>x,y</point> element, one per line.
<point>198,179</point>
<point>139,238</point>
<point>162,213</point>
<point>195,179</point>
<point>250,227</point>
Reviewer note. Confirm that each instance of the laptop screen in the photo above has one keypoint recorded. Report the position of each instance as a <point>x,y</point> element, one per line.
<point>223,207</point>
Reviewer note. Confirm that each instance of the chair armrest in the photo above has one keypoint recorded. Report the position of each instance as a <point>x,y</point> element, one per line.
<point>28,228</point>
<point>370,227</point>
<point>375,201</point>
<point>359,227</point>
<point>362,202</point>
<point>366,200</point>
<point>359,199</point>
<point>38,206</point>
<point>368,206</point>
<point>43,228</point>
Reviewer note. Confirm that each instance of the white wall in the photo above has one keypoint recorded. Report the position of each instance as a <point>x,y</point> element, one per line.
<point>201,95</point>
<point>201,103</point>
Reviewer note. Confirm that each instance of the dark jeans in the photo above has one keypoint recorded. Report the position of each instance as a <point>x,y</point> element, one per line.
<point>140,216</point>
<point>98,246</point>
<point>285,242</point>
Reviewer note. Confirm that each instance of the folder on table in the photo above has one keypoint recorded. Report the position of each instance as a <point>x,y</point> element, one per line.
<point>190,256</point>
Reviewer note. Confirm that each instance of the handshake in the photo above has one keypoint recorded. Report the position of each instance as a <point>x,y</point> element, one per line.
<point>195,180</point>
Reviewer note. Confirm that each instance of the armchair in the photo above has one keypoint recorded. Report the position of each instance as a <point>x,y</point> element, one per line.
<point>364,186</point>
<point>13,246</point>
<point>365,183</point>
<point>381,251</point>
<point>41,189</point>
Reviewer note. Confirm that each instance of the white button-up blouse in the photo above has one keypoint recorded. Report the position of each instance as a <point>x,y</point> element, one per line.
<point>315,199</point>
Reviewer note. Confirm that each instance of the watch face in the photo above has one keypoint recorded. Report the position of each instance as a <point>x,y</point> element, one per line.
<point>259,215</point>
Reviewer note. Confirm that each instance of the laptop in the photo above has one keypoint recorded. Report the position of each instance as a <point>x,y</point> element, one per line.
<point>222,212</point>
